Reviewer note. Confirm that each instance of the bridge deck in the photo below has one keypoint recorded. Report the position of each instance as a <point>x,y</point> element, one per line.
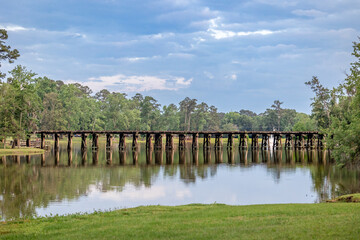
<point>171,132</point>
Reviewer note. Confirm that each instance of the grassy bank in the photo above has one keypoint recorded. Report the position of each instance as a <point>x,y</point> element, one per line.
<point>215,221</point>
<point>21,151</point>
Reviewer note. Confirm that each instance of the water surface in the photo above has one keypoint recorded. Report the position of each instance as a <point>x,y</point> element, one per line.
<point>63,183</point>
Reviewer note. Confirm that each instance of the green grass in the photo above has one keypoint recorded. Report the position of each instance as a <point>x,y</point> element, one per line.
<point>215,221</point>
<point>21,151</point>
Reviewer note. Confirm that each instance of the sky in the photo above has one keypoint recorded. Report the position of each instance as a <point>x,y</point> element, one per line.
<point>231,54</point>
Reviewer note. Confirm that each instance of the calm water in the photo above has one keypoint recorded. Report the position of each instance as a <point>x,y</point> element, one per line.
<point>66,183</point>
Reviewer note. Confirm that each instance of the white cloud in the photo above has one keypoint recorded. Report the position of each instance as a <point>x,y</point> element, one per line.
<point>135,83</point>
<point>309,13</point>
<point>15,28</point>
<point>220,34</point>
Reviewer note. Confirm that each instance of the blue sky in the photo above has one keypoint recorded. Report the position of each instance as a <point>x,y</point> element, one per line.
<point>231,54</point>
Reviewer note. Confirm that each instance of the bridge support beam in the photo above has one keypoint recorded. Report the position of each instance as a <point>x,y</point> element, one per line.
<point>207,140</point>
<point>243,141</point>
<point>277,141</point>
<point>56,144</point>
<point>83,141</point>
<point>195,140</point>
<point>148,141</point>
<point>265,143</point>
<point>135,140</point>
<point>158,141</point>
<point>288,141</point>
<point>299,141</point>
<point>218,140</point>
<point>230,140</point>
<point>254,141</point>
<point>95,141</point>
<point>182,141</point>
<point>70,140</point>
<point>310,141</point>
<point>42,143</point>
<point>122,141</point>
<point>109,138</point>
<point>169,141</point>
<point>320,139</point>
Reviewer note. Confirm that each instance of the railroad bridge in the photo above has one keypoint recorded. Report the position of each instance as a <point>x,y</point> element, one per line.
<point>305,139</point>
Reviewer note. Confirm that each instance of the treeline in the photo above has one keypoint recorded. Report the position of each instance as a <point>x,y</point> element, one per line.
<point>337,113</point>
<point>29,103</point>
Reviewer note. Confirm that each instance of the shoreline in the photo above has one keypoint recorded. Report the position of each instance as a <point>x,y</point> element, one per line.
<point>21,151</point>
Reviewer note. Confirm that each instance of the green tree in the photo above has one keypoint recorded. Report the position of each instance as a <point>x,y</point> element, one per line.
<point>344,129</point>
<point>5,51</point>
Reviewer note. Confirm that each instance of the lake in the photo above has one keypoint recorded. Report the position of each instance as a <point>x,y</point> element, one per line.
<point>64,183</point>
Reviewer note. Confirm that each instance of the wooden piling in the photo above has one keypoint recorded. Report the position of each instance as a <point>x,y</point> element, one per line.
<point>288,141</point>
<point>109,138</point>
<point>265,142</point>
<point>70,140</point>
<point>218,140</point>
<point>207,140</point>
<point>299,141</point>
<point>254,141</point>
<point>169,141</point>
<point>135,140</point>
<point>95,141</point>
<point>310,141</point>
<point>56,144</point>
<point>320,138</point>
<point>182,141</point>
<point>42,137</point>
<point>122,141</point>
<point>243,141</point>
<point>83,141</point>
<point>195,140</point>
<point>122,157</point>
<point>158,141</point>
<point>277,141</point>
<point>148,141</point>
<point>230,140</point>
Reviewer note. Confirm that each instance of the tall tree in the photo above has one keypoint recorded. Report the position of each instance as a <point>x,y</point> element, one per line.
<point>5,51</point>
<point>321,105</point>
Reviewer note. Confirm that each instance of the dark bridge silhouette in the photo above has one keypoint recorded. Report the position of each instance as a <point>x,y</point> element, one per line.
<point>307,139</point>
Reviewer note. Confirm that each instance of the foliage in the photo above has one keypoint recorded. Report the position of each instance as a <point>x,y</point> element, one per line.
<point>337,113</point>
<point>5,51</point>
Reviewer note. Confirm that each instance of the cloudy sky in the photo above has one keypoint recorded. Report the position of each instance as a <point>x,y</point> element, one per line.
<point>231,54</point>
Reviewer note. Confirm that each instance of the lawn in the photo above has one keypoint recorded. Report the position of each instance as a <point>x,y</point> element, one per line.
<point>214,221</point>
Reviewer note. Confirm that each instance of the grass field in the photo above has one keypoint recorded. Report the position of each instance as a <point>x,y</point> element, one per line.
<point>20,151</point>
<point>215,221</point>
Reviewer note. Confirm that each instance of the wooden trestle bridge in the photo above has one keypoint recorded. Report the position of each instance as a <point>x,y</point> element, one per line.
<point>310,140</point>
